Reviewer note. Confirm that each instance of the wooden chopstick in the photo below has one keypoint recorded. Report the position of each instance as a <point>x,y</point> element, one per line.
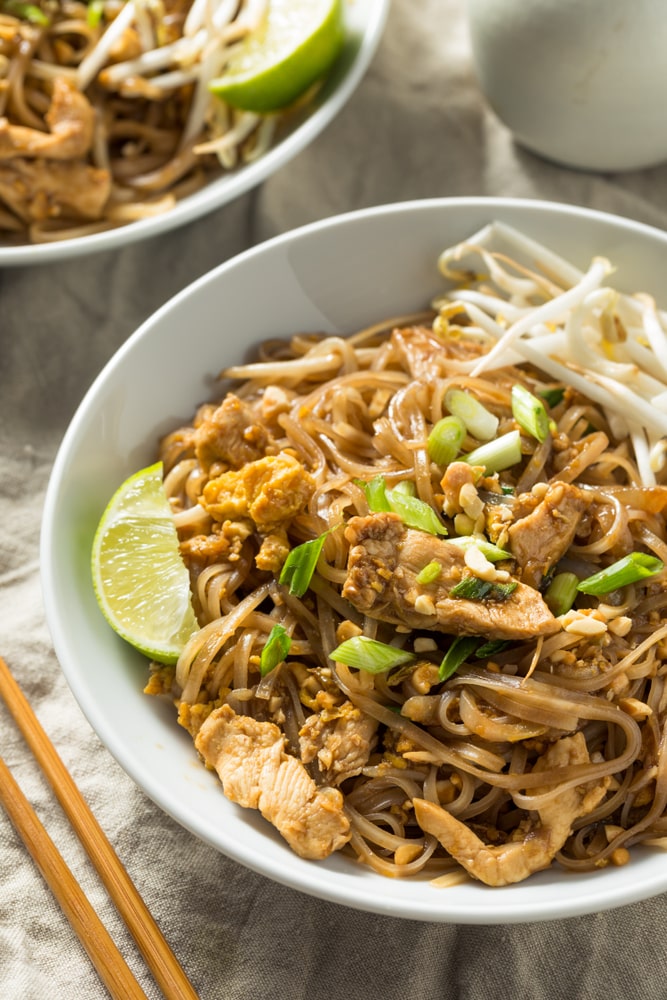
<point>159,957</point>
<point>93,935</point>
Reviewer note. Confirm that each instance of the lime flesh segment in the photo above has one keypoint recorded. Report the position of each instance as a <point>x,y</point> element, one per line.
<point>295,45</point>
<point>140,580</point>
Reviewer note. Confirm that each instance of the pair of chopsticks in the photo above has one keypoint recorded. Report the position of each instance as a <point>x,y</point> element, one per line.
<point>105,956</point>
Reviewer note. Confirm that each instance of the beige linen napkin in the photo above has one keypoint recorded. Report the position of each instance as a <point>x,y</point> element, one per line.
<point>416,127</point>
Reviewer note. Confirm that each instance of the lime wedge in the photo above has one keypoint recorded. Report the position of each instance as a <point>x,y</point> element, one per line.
<point>295,44</point>
<point>140,580</point>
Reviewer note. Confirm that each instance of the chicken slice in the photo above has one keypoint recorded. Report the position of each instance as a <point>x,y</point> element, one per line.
<point>541,538</point>
<point>419,350</point>
<point>516,860</point>
<point>70,119</point>
<point>423,353</point>
<point>256,772</point>
<point>384,561</point>
<point>42,189</point>
<point>340,739</point>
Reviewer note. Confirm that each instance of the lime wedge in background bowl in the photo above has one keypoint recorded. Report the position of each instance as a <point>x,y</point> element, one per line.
<point>295,45</point>
<point>141,583</point>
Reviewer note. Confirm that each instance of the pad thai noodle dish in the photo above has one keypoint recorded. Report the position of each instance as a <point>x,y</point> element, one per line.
<point>427,563</point>
<point>106,112</point>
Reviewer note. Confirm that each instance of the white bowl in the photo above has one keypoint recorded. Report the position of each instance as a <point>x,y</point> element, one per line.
<point>336,275</point>
<point>364,22</point>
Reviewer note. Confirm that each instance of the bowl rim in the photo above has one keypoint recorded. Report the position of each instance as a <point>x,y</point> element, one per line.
<point>222,190</point>
<point>319,884</point>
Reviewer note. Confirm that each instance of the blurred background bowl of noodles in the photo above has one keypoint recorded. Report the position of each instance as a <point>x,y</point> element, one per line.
<point>164,168</point>
<point>338,275</point>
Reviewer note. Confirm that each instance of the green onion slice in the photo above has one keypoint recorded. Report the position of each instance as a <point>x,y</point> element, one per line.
<point>275,649</point>
<point>479,421</point>
<point>298,568</point>
<point>94,14</point>
<point>430,572</point>
<point>445,440</point>
<point>492,552</point>
<point>497,455</point>
<point>370,655</point>
<point>529,413</point>
<point>415,513</point>
<point>552,397</point>
<point>561,592</point>
<point>471,588</point>
<point>630,569</point>
<point>490,648</point>
<point>459,651</point>
<point>407,487</point>
<point>376,494</point>
<point>28,11</point>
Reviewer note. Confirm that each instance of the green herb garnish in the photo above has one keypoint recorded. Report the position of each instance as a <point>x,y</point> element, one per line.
<point>376,494</point>
<point>490,551</point>
<point>478,421</point>
<point>497,455</point>
<point>561,592</point>
<point>370,655</point>
<point>28,11</point>
<point>415,513</point>
<point>430,572</point>
<point>401,500</point>
<point>630,569</point>
<point>459,651</point>
<point>298,568</point>
<point>94,13</point>
<point>490,648</point>
<point>529,413</point>
<point>552,397</point>
<point>445,440</point>
<point>275,650</point>
<point>471,588</point>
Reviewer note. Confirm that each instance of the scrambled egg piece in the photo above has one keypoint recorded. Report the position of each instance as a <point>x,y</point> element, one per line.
<point>273,552</point>
<point>270,491</point>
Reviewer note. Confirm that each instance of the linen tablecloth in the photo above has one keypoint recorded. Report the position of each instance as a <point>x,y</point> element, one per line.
<point>416,127</point>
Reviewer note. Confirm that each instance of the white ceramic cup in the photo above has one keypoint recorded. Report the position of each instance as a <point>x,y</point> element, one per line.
<point>581,82</point>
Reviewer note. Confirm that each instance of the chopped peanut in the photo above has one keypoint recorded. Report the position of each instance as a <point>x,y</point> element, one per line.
<point>424,605</point>
<point>620,626</point>
<point>478,564</point>
<point>611,831</point>
<point>424,644</point>
<point>471,501</point>
<point>346,630</point>
<point>424,677</point>
<point>634,708</point>
<point>406,853</point>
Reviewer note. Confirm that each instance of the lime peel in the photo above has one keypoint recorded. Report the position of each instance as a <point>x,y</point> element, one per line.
<point>295,45</point>
<point>140,580</point>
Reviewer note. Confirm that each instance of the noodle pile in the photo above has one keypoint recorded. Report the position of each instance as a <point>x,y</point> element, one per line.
<point>533,751</point>
<point>105,113</point>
